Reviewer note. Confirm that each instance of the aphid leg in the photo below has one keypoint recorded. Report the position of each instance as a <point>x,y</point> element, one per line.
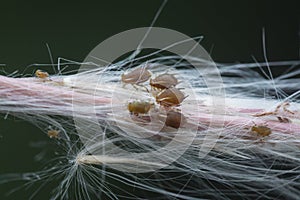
<point>185,97</point>
<point>179,82</point>
<point>145,88</point>
<point>284,107</point>
<point>133,85</point>
<point>177,109</point>
<point>264,114</point>
<point>283,119</point>
<point>277,108</point>
<point>254,124</point>
<point>259,140</point>
<point>136,86</point>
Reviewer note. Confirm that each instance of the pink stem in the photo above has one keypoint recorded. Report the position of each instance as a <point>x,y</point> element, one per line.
<point>24,88</point>
<point>246,122</point>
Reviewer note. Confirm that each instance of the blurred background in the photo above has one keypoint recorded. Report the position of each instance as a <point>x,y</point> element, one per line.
<point>232,32</point>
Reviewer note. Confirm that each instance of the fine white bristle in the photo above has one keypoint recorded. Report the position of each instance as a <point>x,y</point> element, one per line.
<point>213,155</point>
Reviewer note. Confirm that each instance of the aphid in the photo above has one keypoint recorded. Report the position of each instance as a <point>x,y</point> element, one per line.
<point>164,81</point>
<point>53,133</point>
<point>175,119</point>
<point>139,107</point>
<point>41,74</point>
<point>137,76</point>
<point>170,97</point>
<point>261,130</point>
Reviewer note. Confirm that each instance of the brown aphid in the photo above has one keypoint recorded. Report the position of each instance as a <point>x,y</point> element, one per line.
<point>41,74</point>
<point>261,130</point>
<point>139,107</point>
<point>137,76</point>
<point>175,119</point>
<point>164,81</point>
<point>53,133</point>
<point>170,97</point>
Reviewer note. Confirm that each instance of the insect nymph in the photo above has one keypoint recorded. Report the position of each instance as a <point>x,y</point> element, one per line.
<point>137,76</point>
<point>170,97</point>
<point>261,130</point>
<point>41,74</point>
<point>139,107</point>
<point>175,119</point>
<point>164,81</point>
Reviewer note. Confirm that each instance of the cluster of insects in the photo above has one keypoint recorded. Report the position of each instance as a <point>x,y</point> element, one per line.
<point>163,89</point>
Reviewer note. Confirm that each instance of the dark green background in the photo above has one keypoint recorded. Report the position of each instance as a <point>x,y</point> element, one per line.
<point>72,29</point>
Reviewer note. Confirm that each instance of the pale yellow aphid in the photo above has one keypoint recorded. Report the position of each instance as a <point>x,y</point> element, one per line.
<point>41,74</point>
<point>139,107</point>
<point>53,133</point>
<point>261,130</point>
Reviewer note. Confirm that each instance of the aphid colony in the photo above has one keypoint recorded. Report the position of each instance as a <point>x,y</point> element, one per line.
<point>163,89</point>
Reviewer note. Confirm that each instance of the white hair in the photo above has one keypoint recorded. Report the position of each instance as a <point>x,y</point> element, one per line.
<point>223,158</point>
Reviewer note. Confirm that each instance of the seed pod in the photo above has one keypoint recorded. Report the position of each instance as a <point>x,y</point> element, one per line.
<point>40,74</point>
<point>261,130</point>
<point>139,107</point>
<point>170,97</point>
<point>164,81</point>
<point>137,76</point>
<point>175,119</point>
